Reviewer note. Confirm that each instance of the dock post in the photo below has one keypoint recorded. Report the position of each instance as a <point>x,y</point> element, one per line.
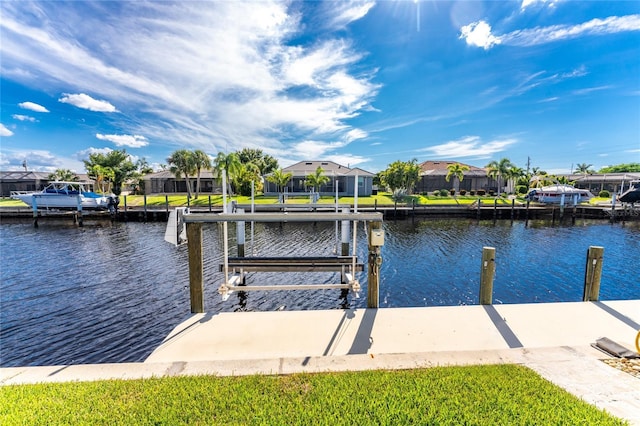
<point>478,209</point>
<point>145,206</point>
<point>375,261</point>
<point>194,244</point>
<point>487,272</point>
<point>495,208</point>
<point>166,204</point>
<point>124,197</point>
<point>240,234</point>
<point>592,274</point>
<point>34,206</point>
<point>513,207</point>
<point>344,233</point>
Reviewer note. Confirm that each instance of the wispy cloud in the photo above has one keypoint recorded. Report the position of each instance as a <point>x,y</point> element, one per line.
<point>132,141</point>
<point>21,117</point>
<point>85,101</point>
<point>479,33</point>
<point>470,147</point>
<point>529,3</point>
<point>4,131</point>
<point>182,81</point>
<point>588,90</point>
<point>32,107</point>
<point>342,13</point>
<point>41,160</point>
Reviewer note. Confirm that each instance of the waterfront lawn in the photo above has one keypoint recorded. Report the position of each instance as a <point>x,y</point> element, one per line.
<point>495,394</point>
<point>381,199</point>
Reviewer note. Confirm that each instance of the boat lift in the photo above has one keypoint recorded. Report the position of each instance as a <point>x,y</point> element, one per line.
<point>186,224</point>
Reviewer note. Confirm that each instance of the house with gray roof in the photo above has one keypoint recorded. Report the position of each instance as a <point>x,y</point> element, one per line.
<point>344,178</point>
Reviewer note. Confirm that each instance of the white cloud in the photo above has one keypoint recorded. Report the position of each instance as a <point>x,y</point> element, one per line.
<point>37,160</point>
<point>342,13</point>
<point>469,146</point>
<point>4,131</point>
<point>132,141</point>
<point>479,34</point>
<point>588,90</point>
<point>32,106</point>
<point>179,79</point>
<point>527,3</point>
<point>84,101</point>
<point>21,117</point>
<point>314,150</point>
<point>355,134</point>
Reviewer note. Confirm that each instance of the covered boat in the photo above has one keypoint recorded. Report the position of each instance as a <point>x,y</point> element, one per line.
<point>559,194</point>
<point>631,195</point>
<point>66,195</point>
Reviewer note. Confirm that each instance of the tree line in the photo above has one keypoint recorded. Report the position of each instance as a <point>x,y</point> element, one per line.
<point>245,168</point>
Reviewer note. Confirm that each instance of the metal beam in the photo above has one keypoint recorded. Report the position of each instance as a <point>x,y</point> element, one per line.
<point>280,217</point>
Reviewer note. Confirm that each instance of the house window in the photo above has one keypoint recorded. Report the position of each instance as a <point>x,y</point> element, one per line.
<point>360,182</point>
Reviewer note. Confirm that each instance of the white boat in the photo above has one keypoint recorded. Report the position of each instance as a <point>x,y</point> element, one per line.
<point>559,194</point>
<point>66,195</point>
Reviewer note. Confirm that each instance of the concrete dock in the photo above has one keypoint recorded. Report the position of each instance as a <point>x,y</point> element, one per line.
<point>553,339</point>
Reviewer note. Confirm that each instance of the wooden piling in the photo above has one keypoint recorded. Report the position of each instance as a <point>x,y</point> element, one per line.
<point>593,274</point>
<point>487,272</point>
<point>166,204</point>
<point>375,261</point>
<point>144,197</point>
<point>196,288</point>
<point>34,206</point>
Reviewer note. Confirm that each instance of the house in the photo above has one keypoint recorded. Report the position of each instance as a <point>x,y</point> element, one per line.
<point>433,178</point>
<point>165,182</point>
<point>343,177</point>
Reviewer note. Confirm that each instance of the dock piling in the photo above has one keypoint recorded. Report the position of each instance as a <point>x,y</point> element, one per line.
<point>196,288</point>
<point>345,231</point>
<point>240,234</point>
<point>487,272</point>
<point>593,274</point>
<point>376,240</point>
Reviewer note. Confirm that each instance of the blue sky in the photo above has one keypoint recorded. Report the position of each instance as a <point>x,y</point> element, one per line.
<point>361,83</point>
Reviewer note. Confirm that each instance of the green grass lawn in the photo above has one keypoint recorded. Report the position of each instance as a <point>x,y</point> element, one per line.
<point>475,395</point>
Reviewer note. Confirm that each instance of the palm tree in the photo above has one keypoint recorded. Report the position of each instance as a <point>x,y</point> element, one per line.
<point>202,161</point>
<point>182,163</point>
<point>513,174</point>
<point>227,164</point>
<point>249,173</point>
<point>279,178</point>
<point>64,175</point>
<point>457,171</point>
<point>317,179</point>
<point>584,168</point>
<point>100,174</point>
<point>498,169</point>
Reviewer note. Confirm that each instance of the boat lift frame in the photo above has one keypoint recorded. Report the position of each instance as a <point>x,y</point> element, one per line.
<point>194,221</point>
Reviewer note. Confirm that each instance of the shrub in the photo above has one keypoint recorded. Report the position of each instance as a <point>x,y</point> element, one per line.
<point>472,192</point>
<point>604,194</point>
<point>452,191</point>
<point>481,192</point>
<point>444,192</point>
<point>463,192</point>
<point>522,189</point>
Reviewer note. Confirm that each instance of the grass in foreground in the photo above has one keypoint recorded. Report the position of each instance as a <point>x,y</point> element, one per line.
<point>497,394</point>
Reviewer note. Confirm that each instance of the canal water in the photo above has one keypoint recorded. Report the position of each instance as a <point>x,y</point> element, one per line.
<point>112,292</point>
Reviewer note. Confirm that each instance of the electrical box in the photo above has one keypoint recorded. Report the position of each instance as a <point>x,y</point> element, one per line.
<point>377,237</point>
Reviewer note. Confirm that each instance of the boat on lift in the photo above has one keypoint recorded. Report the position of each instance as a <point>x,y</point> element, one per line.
<point>66,195</point>
<point>631,195</point>
<point>559,194</point>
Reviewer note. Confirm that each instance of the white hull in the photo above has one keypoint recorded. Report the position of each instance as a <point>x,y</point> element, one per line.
<point>64,195</point>
<point>560,194</point>
<point>62,201</point>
